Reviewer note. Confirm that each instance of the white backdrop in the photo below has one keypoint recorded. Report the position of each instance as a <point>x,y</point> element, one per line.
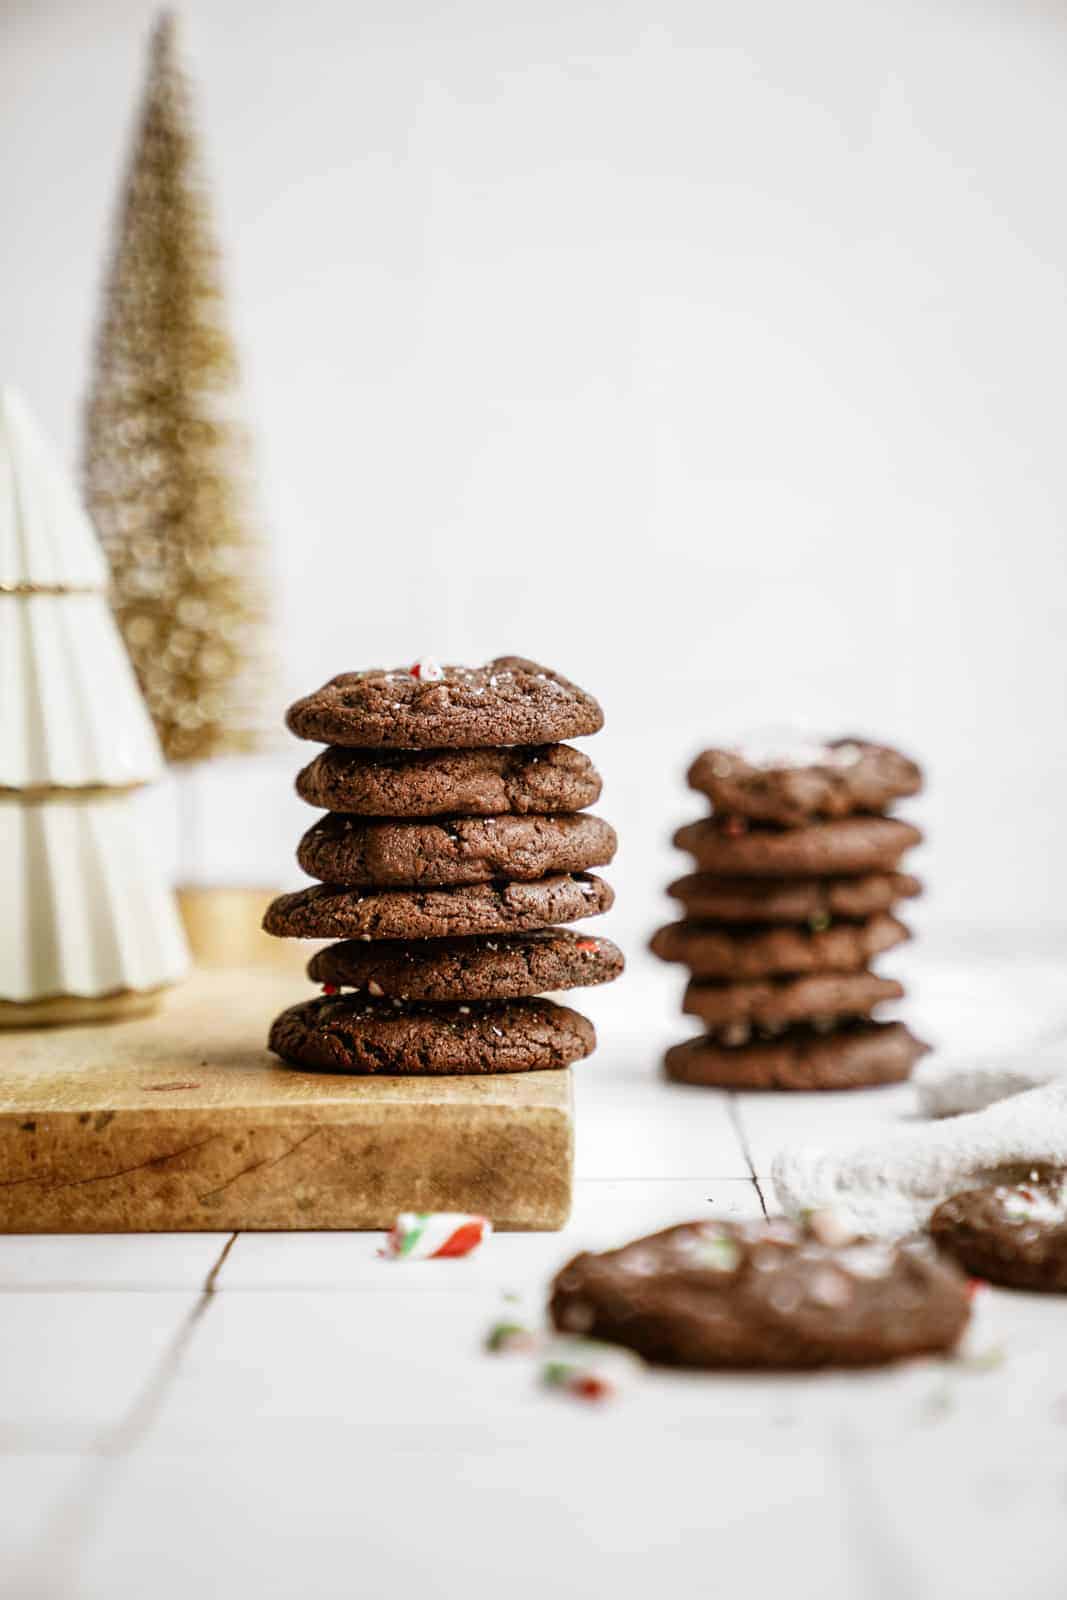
<point>714,353</point>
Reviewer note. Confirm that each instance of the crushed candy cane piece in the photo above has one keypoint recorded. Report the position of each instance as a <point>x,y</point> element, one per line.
<point>588,1369</point>
<point>330,988</point>
<point>427,670</point>
<point>435,1235</point>
<point>508,1337</point>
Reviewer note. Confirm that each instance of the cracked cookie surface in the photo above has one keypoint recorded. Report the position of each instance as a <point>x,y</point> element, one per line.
<point>522,780</point>
<point>505,967</point>
<point>454,850</point>
<point>815,901</point>
<point>1014,1234</point>
<point>357,1035</point>
<point>509,701</point>
<point>811,780</point>
<point>768,1002</point>
<point>854,1055</point>
<point>763,1294</point>
<point>738,952</point>
<point>850,845</point>
<point>330,911</point>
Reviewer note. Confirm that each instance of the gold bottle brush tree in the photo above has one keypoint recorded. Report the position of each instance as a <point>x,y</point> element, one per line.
<point>168,478</point>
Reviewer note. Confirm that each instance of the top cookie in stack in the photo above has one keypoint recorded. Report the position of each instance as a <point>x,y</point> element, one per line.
<point>456,837</point>
<point>797,884</point>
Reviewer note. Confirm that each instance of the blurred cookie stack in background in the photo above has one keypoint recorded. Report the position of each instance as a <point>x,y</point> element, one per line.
<point>795,894</point>
<point>456,838</point>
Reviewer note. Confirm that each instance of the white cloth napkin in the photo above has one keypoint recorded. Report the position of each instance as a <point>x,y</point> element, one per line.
<point>891,1187</point>
<point>946,1088</point>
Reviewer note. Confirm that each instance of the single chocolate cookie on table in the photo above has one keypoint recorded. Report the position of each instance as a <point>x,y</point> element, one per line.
<point>357,1035</point>
<point>769,1002</point>
<point>815,901</point>
<point>439,851</point>
<point>763,1294</point>
<point>729,846</point>
<point>754,952</point>
<point>797,781</point>
<point>852,1055</point>
<point>520,781</point>
<point>512,964</point>
<point>331,911</point>
<point>1013,1234</point>
<point>509,701</point>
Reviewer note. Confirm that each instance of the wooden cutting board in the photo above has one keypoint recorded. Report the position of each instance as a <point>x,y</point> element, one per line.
<point>184,1121</point>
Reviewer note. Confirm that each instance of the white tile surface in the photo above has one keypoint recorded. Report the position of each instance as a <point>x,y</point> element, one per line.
<point>341,1517</point>
<point>34,1488</point>
<point>641,1127</point>
<point>605,1211</point>
<point>769,1120</point>
<point>395,1342</point>
<point>631,1123</point>
<point>108,1260</point>
<point>329,1423</point>
<point>72,1365</point>
<point>980,1000</point>
<point>985,1522</point>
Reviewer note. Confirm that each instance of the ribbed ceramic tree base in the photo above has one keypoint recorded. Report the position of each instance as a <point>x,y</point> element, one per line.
<point>64,1010</point>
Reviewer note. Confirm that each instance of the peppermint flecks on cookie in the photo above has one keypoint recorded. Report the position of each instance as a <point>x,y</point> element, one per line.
<point>775,750</point>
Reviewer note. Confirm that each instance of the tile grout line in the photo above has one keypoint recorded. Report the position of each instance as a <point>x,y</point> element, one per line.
<point>135,1424</point>
<point>886,1563</point>
<point>70,1526</point>
<point>739,1129</point>
<point>212,1279</point>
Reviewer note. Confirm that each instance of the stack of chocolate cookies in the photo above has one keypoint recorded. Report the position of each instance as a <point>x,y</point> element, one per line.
<point>795,895</point>
<point>456,838</point>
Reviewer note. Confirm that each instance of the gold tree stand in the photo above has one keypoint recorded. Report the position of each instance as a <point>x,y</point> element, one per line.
<point>184,1121</point>
<point>223,929</point>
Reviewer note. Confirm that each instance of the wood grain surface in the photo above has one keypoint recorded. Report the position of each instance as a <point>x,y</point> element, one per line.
<point>183,1120</point>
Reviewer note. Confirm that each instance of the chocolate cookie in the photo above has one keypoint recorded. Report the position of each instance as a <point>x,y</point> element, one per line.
<point>733,953</point>
<point>434,853</point>
<point>529,779</point>
<point>804,780</point>
<point>328,911</point>
<point>853,1055</point>
<point>763,1294</point>
<point>771,1001</point>
<point>852,845</point>
<point>1010,1234</point>
<point>508,701</point>
<point>354,1034</point>
<point>708,898</point>
<point>512,964</point>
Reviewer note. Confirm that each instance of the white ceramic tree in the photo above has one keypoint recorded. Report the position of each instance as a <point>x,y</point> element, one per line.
<point>88,927</point>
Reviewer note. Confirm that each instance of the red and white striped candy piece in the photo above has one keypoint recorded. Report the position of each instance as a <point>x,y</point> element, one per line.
<point>434,1235</point>
<point>427,670</point>
<point>588,1369</point>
